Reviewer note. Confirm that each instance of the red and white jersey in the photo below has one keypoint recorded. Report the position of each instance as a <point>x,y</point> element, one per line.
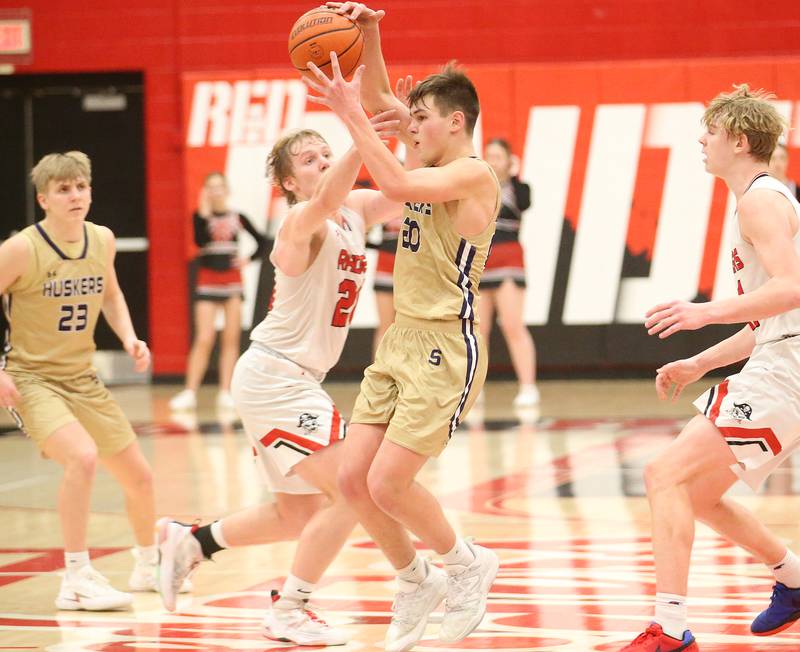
<point>749,274</point>
<point>311,313</point>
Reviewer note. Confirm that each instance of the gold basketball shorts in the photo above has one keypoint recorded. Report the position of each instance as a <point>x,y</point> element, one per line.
<point>424,380</point>
<point>48,405</point>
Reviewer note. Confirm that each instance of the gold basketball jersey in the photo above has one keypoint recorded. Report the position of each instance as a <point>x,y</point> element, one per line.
<point>52,309</point>
<point>436,270</point>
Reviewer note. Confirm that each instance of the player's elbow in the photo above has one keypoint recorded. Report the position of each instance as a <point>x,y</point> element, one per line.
<point>395,189</point>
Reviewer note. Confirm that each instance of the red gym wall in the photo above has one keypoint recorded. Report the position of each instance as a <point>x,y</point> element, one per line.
<point>167,39</point>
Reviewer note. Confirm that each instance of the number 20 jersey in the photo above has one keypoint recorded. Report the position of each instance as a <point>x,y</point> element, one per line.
<point>52,309</point>
<point>311,313</point>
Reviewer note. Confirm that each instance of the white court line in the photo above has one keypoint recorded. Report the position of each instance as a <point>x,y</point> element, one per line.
<point>27,482</point>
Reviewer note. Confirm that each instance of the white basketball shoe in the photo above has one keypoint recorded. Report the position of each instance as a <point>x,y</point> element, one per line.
<point>180,555</point>
<point>292,622</point>
<point>467,593</point>
<point>86,589</point>
<point>413,604</point>
<point>144,576</point>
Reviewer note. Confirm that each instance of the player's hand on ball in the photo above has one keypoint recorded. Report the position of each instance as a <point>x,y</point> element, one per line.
<point>336,93</point>
<point>386,124</point>
<point>665,319</point>
<point>678,374</point>
<point>140,353</point>
<point>358,12</point>
<point>9,395</point>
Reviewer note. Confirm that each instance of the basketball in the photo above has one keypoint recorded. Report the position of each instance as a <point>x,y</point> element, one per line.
<point>319,32</point>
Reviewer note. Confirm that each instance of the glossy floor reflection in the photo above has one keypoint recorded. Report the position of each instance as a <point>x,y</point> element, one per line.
<point>558,495</point>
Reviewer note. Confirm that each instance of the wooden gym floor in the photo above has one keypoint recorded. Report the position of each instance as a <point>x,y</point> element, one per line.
<point>560,498</point>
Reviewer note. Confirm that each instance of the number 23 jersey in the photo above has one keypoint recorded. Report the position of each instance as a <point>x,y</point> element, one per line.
<point>52,309</point>
<point>311,313</point>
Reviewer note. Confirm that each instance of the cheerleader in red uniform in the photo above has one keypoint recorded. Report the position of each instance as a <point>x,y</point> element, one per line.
<point>218,287</point>
<point>503,283</point>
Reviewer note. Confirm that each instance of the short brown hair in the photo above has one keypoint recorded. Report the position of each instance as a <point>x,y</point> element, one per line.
<point>61,167</point>
<point>279,161</point>
<point>453,91</point>
<point>749,113</point>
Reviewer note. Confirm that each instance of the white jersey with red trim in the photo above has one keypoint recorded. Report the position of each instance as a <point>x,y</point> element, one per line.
<point>749,274</point>
<point>311,313</point>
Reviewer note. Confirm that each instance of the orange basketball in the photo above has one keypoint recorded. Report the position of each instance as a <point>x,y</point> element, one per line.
<point>319,32</point>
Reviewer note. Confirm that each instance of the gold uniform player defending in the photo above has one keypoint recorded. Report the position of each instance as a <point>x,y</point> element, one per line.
<point>431,364</point>
<point>57,276</point>
<point>750,422</point>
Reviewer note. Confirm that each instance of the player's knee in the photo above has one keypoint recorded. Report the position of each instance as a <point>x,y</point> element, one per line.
<point>82,463</point>
<point>352,484</point>
<point>658,476</point>
<point>383,492</point>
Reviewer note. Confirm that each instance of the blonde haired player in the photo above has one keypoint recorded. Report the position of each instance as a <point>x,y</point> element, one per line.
<point>56,277</point>
<point>295,429</point>
<point>431,364</point>
<point>750,422</point>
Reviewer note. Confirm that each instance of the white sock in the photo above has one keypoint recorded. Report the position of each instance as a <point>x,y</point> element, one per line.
<point>148,554</point>
<point>415,572</point>
<point>294,591</point>
<point>74,561</point>
<point>671,614</point>
<point>218,536</point>
<point>460,555</point>
<point>787,571</point>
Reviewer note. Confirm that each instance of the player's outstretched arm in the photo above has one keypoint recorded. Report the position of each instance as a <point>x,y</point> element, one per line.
<point>115,310</point>
<point>293,248</point>
<point>376,91</point>
<point>765,221</point>
<point>14,257</point>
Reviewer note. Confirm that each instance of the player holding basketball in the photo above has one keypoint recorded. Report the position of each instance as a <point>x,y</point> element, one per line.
<point>295,429</point>
<point>431,364</point>
<point>750,422</point>
<point>57,276</point>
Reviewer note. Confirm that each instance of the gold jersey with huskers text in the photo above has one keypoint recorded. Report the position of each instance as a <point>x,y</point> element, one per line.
<point>436,270</point>
<point>52,309</point>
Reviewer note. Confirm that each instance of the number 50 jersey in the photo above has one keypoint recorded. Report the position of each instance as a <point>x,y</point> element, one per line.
<point>311,313</point>
<point>52,309</point>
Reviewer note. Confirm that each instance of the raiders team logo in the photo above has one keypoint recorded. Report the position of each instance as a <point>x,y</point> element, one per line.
<point>741,412</point>
<point>308,422</point>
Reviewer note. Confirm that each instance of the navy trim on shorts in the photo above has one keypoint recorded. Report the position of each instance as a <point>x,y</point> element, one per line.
<point>467,328</point>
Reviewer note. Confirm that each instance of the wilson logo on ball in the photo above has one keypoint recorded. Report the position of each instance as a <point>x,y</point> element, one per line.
<point>316,21</point>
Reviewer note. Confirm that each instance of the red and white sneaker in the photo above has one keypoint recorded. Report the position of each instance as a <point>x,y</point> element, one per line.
<point>655,640</point>
<point>291,622</point>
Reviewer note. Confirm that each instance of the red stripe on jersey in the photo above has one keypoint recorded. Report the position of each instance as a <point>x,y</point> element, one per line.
<point>722,392</point>
<point>336,421</point>
<point>754,433</point>
<point>276,433</point>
